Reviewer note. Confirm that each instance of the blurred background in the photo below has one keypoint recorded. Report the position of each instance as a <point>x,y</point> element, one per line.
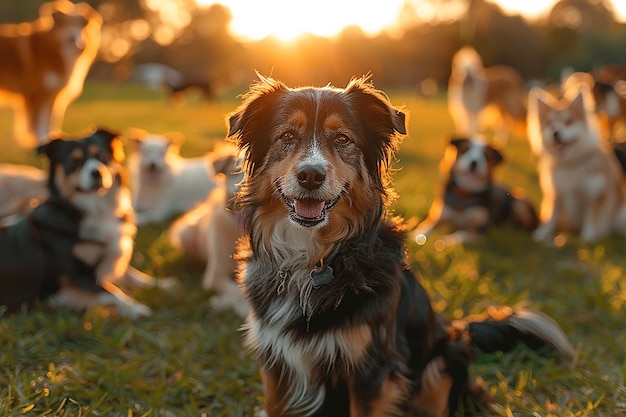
<point>216,47</point>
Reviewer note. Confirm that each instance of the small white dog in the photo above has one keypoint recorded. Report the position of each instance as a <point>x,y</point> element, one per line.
<point>209,233</point>
<point>580,177</point>
<point>166,184</point>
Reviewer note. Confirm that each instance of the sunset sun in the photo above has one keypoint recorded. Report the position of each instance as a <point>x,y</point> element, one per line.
<point>287,20</point>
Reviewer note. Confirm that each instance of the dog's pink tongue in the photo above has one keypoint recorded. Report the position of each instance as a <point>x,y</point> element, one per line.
<point>309,208</point>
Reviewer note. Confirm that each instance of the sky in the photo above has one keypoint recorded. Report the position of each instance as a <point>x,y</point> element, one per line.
<point>287,19</point>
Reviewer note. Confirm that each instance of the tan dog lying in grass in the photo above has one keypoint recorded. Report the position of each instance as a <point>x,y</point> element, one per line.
<point>209,233</point>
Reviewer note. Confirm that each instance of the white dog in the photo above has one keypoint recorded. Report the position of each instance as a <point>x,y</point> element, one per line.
<point>164,183</point>
<point>480,97</point>
<point>209,233</point>
<point>580,178</point>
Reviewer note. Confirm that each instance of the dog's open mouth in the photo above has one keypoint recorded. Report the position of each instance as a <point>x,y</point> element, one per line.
<point>309,212</point>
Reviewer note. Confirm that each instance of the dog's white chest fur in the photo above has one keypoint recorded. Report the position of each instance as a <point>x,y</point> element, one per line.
<point>292,247</point>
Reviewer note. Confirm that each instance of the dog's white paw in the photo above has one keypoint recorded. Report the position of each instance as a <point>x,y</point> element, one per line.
<point>543,233</point>
<point>133,311</point>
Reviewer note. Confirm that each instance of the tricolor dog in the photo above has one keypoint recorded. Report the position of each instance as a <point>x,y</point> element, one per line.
<point>73,248</point>
<point>340,324</point>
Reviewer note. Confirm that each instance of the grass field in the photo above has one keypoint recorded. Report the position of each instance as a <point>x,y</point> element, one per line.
<point>187,359</point>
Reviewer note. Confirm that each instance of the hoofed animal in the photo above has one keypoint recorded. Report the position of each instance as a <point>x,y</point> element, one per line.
<point>44,65</point>
<point>73,248</point>
<point>580,177</point>
<point>471,202</point>
<point>340,324</point>
<point>480,96</point>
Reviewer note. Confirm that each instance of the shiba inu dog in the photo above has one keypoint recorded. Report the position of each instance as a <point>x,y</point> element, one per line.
<point>580,177</point>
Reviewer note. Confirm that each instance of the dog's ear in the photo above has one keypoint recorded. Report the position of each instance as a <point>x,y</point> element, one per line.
<point>136,135</point>
<point>253,104</point>
<point>381,121</point>
<point>55,150</point>
<point>581,103</point>
<point>494,157</point>
<point>459,143</point>
<point>114,141</point>
<point>378,105</point>
<point>540,103</point>
<point>246,126</point>
<point>176,139</point>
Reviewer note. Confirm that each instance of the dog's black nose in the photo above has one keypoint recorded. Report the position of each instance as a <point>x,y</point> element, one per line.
<point>95,174</point>
<point>557,136</point>
<point>311,177</point>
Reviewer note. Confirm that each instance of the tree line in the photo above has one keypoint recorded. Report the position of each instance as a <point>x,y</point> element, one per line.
<point>581,34</point>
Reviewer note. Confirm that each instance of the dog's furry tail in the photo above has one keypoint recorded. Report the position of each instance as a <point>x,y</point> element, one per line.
<point>502,328</point>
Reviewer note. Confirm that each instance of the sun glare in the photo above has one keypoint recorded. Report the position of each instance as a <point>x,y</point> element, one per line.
<point>287,20</point>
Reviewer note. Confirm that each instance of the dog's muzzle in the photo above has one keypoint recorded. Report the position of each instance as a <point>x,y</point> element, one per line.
<point>309,209</point>
<point>309,212</point>
<point>95,176</point>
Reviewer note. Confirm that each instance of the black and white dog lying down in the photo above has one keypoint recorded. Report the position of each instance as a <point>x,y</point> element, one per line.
<point>72,248</point>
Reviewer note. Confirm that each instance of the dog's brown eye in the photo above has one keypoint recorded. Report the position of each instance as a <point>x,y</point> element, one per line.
<point>287,137</point>
<point>342,139</point>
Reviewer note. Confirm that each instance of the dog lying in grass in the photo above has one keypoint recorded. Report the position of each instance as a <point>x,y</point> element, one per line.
<point>209,233</point>
<point>73,248</point>
<point>340,324</point>
<point>471,202</point>
<point>164,183</point>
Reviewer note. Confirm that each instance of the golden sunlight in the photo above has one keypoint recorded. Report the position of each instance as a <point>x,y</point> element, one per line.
<point>288,19</point>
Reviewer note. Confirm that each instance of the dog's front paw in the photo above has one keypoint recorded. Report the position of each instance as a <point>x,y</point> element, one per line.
<point>133,311</point>
<point>543,233</point>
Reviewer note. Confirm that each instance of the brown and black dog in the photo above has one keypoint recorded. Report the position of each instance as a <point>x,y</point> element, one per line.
<point>341,325</point>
